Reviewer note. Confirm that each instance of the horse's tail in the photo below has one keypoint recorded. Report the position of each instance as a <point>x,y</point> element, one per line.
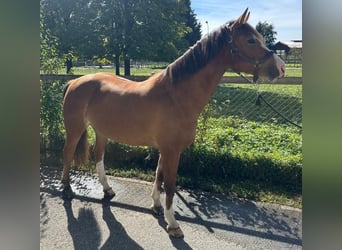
<point>81,155</point>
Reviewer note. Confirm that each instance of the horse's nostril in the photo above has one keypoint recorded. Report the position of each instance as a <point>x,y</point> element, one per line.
<point>283,67</point>
<point>281,70</point>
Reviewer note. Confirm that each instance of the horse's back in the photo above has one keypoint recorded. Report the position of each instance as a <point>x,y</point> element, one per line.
<point>97,79</point>
<point>116,107</point>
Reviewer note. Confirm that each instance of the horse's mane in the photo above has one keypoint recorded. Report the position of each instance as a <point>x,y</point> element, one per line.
<point>197,56</point>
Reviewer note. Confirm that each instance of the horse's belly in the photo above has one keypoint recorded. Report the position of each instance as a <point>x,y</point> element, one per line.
<point>124,130</point>
<point>132,138</point>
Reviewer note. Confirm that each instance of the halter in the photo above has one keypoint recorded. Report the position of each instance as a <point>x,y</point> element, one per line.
<point>236,52</point>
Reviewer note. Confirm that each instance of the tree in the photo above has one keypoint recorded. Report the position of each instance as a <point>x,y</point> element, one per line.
<point>144,29</point>
<point>192,23</point>
<point>50,92</point>
<point>268,32</point>
<point>73,23</point>
<point>49,62</point>
<point>121,30</point>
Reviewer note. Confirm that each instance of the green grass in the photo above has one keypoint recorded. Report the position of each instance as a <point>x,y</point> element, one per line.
<point>293,70</point>
<point>248,159</point>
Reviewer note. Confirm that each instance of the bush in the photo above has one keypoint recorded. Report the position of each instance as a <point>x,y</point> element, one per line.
<point>237,149</point>
<point>51,118</point>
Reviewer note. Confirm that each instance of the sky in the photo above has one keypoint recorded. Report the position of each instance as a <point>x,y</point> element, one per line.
<point>284,15</point>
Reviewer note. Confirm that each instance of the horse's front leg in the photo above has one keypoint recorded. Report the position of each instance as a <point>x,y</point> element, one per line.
<point>156,206</point>
<point>169,161</point>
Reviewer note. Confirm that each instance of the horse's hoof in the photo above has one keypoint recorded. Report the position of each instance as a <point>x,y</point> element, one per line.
<point>175,232</point>
<point>108,194</point>
<point>157,210</point>
<point>67,193</point>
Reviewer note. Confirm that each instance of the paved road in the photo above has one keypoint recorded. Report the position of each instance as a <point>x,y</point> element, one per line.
<point>208,221</point>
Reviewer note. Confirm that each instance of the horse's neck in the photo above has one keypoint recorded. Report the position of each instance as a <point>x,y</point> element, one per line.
<point>197,90</point>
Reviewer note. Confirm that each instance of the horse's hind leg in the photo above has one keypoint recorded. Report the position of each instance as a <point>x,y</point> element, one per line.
<point>70,145</point>
<point>100,145</point>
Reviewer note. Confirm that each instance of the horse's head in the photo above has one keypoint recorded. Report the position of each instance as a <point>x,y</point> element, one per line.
<point>249,53</point>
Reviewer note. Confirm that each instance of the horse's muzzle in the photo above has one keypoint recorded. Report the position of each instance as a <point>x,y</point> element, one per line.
<point>280,66</point>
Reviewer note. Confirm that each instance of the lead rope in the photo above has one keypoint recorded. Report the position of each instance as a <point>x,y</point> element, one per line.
<point>259,97</point>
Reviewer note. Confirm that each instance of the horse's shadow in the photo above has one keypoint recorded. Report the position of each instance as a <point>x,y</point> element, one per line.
<point>86,234</point>
<point>118,235</point>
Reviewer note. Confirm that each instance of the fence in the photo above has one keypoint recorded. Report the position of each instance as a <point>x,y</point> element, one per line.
<point>225,79</point>
<point>241,100</point>
<point>235,96</point>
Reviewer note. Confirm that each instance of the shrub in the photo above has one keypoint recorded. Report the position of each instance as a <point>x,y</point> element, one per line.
<point>51,118</point>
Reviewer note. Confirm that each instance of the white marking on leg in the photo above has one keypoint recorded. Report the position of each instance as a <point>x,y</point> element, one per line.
<point>102,175</point>
<point>156,195</point>
<point>170,218</point>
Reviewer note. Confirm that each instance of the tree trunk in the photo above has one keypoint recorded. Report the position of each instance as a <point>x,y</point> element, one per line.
<point>68,64</point>
<point>117,64</point>
<point>127,65</point>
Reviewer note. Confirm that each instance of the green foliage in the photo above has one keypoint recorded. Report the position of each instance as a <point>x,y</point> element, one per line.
<point>101,61</point>
<point>239,149</point>
<point>74,24</point>
<point>268,32</point>
<point>194,27</point>
<point>121,29</point>
<point>49,62</point>
<point>51,118</point>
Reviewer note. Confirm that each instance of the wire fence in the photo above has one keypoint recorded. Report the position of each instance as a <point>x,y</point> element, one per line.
<point>241,100</point>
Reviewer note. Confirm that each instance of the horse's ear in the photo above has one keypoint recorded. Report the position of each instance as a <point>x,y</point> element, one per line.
<point>243,18</point>
<point>247,16</point>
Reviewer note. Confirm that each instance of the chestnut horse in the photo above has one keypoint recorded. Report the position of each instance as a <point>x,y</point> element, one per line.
<point>161,111</point>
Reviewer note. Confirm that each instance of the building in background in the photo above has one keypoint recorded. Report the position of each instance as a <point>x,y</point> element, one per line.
<point>290,51</point>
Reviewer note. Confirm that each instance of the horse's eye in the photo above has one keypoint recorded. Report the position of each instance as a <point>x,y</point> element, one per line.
<point>251,41</point>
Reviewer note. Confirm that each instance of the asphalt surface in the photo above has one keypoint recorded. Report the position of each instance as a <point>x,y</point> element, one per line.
<point>209,221</point>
